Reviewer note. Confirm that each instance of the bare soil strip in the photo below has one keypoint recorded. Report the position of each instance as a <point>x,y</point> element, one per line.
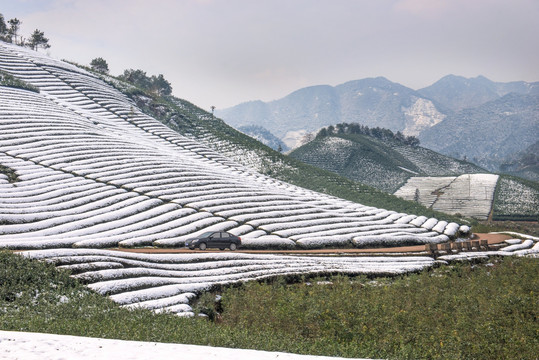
<point>491,238</point>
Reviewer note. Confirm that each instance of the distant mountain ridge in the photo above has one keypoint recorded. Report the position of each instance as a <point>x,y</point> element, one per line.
<point>492,123</point>
<point>371,102</point>
<point>437,114</point>
<point>490,133</point>
<point>457,93</point>
<point>264,136</point>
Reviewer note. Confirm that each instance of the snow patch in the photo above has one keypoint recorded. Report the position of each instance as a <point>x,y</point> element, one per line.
<point>421,115</point>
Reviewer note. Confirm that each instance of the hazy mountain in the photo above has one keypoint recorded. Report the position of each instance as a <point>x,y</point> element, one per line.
<point>372,102</point>
<point>455,116</point>
<point>525,163</point>
<point>264,136</point>
<point>457,92</point>
<point>489,133</point>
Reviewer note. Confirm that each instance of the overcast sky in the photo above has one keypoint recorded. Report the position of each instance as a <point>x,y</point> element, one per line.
<point>224,52</point>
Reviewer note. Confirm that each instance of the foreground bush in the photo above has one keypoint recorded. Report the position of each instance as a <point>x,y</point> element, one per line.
<point>465,311</point>
<point>482,311</point>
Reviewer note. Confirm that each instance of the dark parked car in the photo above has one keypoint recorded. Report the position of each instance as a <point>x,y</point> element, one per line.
<point>214,239</point>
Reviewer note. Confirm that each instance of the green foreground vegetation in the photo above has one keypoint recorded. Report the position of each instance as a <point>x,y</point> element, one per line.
<point>481,311</point>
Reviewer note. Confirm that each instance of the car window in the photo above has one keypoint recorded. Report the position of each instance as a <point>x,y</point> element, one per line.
<point>225,235</point>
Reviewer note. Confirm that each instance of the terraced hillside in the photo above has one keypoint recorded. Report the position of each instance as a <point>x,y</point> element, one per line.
<point>384,164</point>
<point>197,124</point>
<point>470,194</point>
<point>167,282</point>
<point>481,196</point>
<point>91,170</point>
<point>82,167</point>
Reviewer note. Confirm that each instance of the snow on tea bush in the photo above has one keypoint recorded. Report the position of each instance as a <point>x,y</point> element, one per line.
<point>515,198</point>
<point>451,229</point>
<point>93,171</point>
<point>168,282</point>
<point>430,223</point>
<point>464,229</point>
<point>470,194</point>
<point>267,242</point>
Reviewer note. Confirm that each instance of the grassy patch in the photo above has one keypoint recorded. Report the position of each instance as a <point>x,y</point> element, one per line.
<point>484,311</point>
<point>10,173</point>
<point>9,80</point>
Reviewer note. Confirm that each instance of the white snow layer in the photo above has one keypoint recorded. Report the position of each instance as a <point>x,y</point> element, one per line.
<point>38,346</point>
<point>157,281</point>
<point>469,194</point>
<point>92,170</point>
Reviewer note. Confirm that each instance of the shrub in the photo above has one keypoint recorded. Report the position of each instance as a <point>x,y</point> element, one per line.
<point>10,173</point>
<point>9,80</point>
<point>516,199</point>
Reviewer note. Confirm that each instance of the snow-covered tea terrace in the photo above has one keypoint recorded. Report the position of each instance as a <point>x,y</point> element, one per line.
<point>89,169</point>
<point>82,169</point>
<point>167,282</point>
<point>469,195</point>
<point>37,346</point>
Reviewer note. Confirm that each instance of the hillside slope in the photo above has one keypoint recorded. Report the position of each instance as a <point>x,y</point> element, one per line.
<point>384,164</point>
<point>201,126</point>
<point>84,167</point>
<point>524,164</point>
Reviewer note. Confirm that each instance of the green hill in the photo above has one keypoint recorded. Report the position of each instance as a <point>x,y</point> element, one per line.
<point>384,164</point>
<point>388,163</point>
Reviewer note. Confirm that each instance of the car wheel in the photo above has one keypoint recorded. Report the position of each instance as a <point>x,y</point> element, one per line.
<point>221,249</point>
<point>233,247</point>
<point>202,246</point>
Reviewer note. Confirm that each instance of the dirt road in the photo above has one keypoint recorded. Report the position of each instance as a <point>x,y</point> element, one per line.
<point>491,238</point>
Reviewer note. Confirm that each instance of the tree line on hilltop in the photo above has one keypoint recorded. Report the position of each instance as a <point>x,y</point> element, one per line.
<point>9,32</point>
<point>377,132</point>
<point>156,85</point>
